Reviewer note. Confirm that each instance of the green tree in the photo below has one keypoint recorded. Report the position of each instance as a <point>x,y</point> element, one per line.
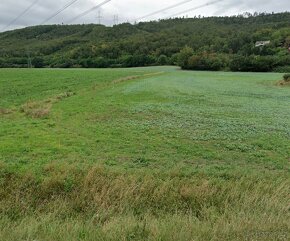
<point>184,56</point>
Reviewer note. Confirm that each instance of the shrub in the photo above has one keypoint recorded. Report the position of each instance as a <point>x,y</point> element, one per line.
<point>282,69</point>
<point>163,60</point>
<point>253,63</point>
<point>137,60</point>
<point>286,77</point>
<point>206,61</point>
<point>38,62</point>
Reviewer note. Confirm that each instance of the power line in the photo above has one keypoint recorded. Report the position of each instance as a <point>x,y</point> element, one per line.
<point>59,11</point>
<point>20,15</point>
<point>195,8</point>
<point>162,10</point>
<point>88,11</point>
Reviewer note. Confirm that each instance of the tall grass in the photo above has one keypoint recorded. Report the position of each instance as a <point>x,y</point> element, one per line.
<point>66,203</point>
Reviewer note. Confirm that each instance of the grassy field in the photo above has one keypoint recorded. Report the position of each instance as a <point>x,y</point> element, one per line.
<point>143,154</point>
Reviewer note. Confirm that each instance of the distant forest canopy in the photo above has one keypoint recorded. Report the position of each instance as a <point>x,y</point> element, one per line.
<point>237,43</point>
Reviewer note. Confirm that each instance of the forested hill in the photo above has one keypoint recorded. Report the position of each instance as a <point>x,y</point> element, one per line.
<point>208,40</point>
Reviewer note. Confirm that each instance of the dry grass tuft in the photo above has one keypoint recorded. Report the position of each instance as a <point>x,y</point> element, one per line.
<point>120,80</point>
<point>36,109</point>
<point>133,77</point>
<point>4,111</point>
<point>65,95</point>
<point>41,109</point>
<point>283,83</point>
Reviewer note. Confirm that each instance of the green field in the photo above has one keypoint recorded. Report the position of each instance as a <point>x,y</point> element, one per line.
<point>143,154</point>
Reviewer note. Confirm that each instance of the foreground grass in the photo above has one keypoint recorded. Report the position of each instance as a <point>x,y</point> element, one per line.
<point>143,154</point>
<point>101,204</point>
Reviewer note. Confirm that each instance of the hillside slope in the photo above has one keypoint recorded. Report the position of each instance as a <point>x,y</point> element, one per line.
<point>149,43</point>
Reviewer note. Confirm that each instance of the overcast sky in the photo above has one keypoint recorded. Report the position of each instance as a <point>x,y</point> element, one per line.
<point>127,10</point>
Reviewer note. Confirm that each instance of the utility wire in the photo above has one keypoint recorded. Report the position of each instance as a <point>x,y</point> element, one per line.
<point>195,8</point>
<point>88,11</point>
<point>162,10</point>
<point>20,15</point>
<point>59,11</point>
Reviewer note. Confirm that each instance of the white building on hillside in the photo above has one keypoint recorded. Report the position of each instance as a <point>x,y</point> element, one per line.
<point>262,43</point>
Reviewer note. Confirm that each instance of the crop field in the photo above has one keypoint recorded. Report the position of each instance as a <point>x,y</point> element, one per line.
<point>143,154</point>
